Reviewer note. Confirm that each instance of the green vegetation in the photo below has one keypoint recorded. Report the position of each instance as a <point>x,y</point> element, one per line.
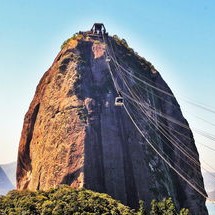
<point>97,42</point>
<point>131,56</point>
<point>62,200</point>
<point>75,37</point>
<point>166,207</point>
<point>141,210</point>
<point>122,42</point>
<point>65,201</point>
<point>82,113</point>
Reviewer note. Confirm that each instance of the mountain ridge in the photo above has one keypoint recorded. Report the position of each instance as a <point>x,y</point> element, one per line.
<point>10,171</point>
<point>5,183</point>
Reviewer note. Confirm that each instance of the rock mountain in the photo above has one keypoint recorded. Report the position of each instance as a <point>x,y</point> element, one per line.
<point>74,134</point>
<point>7,177</point>
<point>5,184</point>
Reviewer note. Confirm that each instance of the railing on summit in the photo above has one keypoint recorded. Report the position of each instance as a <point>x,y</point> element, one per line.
<point>98,28</point>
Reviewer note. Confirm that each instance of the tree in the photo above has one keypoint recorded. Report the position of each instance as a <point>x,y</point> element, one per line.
<point>184,211</point>
<point>65,200</point>
<point>154,208</point>
<point>169,207</point>
<point>141,210</point>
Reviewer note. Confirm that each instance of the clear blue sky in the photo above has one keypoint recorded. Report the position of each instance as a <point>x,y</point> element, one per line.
<point>178,37</point>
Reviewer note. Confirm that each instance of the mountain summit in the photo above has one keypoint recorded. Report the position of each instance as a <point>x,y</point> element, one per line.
<point>103,118</point>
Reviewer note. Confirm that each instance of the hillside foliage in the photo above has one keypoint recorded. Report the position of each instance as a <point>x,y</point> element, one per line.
<point>65,200</point>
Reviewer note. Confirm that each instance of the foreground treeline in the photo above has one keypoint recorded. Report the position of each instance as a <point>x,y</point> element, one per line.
<point>65,201</point>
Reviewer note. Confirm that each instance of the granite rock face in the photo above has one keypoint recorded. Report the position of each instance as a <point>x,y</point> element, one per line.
<point>74,134</point>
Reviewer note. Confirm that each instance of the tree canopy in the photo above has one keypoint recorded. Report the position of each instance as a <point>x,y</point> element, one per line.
<point>66,201</point>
